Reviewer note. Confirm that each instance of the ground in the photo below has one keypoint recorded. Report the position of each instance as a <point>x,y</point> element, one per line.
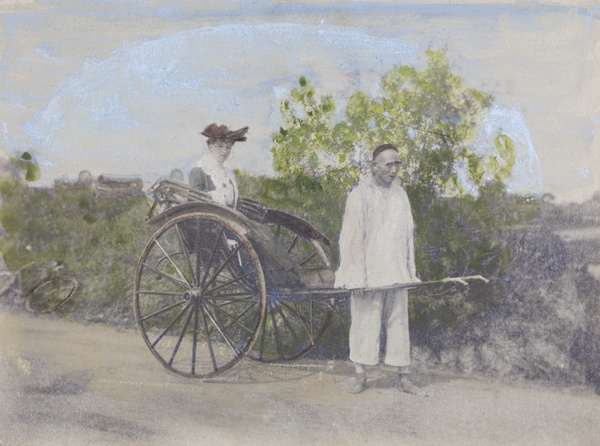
<point>67,383</point>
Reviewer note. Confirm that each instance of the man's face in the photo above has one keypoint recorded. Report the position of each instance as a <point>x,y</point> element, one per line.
<point>220,149</point>
<point>385,167</point>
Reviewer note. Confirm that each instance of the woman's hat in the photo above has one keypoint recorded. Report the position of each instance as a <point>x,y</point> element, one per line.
<point>215,131</point>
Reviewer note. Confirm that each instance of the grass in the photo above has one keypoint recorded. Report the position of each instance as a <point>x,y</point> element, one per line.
<point>68,232</point>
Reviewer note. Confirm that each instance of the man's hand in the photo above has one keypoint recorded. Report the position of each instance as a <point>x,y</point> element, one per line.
<point>358,292</point>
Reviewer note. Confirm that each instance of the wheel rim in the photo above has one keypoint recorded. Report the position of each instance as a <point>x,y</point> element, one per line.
<point>51,294</point>
<point>293,326</point>
<point>197,316</point>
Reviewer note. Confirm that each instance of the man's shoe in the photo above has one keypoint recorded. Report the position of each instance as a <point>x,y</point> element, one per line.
<point>405,385</point>
<point>357,383</point>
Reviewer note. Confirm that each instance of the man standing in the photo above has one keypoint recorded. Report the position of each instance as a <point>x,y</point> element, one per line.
<point>377,251</point>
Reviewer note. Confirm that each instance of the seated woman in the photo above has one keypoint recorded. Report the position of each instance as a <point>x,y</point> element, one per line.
<point>210,175</point>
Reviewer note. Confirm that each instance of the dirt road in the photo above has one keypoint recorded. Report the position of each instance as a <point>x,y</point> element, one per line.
<point>65,383</point>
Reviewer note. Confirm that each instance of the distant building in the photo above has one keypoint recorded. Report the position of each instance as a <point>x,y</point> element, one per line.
<point>112,187</point>
<point>85,180</point>
<point>177,174</point>
<point>104,186</point>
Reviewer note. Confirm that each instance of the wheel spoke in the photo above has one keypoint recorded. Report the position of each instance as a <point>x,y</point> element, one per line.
<point>262,337</point>
<point>170,307</point>
<point>195,340</point>
<point>172,262</point>
<point>198,253</point>
<point>229,301</point>
<point>293,244</point>
<point>158,293</point>
<point>226,296</point>
<point>307,259</point>
<point>223,334</point>
<point>176,349</point>
<point>232,302</point>
<point>212,256</point>
<point>297,313</point>
<point>287,323</point>
<point>311,316</point>
<point>241,314</point>
<point>328,303</point>
<point>243,284</point>
<point>276,331</point>
<point>216,274</point>
<point>229,282</point>
<point>341,317</point>
<point>185,254</point>
<point>175,280</point>
<point>157,340</point>
<point>208,340</point>
<point>234,319</point>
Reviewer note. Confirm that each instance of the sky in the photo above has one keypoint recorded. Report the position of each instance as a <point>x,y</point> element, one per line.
<point>125,88</point>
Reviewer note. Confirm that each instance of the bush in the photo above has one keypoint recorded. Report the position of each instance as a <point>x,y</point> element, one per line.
<point>69,232</point>
<point>433,118</point>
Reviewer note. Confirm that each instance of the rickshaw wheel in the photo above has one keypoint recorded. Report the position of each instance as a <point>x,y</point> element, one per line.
<point>294,326</point>
<point>51,294</point>
<point>197,317</point>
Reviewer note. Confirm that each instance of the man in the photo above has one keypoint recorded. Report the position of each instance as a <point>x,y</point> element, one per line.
<point>377,251</point>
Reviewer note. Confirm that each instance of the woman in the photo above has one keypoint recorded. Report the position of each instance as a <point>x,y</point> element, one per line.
<point>220,183</point>
<point>210,175</point>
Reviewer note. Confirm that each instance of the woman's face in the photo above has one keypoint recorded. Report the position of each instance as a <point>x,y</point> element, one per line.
<point>220,149</point>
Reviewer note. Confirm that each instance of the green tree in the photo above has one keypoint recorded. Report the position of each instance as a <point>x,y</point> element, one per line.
<point>309,142</point>
<point>26,163</point>
<point>433,117</point>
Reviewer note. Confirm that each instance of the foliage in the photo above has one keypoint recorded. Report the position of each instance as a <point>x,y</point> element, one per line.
<point>321,200</point>
<point>69,232</point>
<point>28,164</point>
<point>308,143</point>
<point>433,118</point>
<point>463,236</point>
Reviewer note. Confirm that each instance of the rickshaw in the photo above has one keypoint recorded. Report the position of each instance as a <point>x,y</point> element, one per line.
<point>216,284</point>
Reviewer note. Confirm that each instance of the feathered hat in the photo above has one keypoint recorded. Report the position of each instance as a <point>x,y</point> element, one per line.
<point>215,131</point>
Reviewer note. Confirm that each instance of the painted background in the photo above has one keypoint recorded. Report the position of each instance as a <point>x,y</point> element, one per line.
<point>124,88</point>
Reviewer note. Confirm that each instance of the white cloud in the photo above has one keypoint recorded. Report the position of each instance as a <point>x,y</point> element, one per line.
<point>139,112</point>
<point>509,120</point>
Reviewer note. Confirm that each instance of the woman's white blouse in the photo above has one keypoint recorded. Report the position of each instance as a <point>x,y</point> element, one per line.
<point>226,188</point>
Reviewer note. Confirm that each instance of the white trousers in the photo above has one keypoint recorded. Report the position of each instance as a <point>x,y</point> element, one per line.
<point>368,312</point>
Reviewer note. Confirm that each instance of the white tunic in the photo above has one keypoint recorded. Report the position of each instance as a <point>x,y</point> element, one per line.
<point>376,240</point>
<point>226,188</point>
